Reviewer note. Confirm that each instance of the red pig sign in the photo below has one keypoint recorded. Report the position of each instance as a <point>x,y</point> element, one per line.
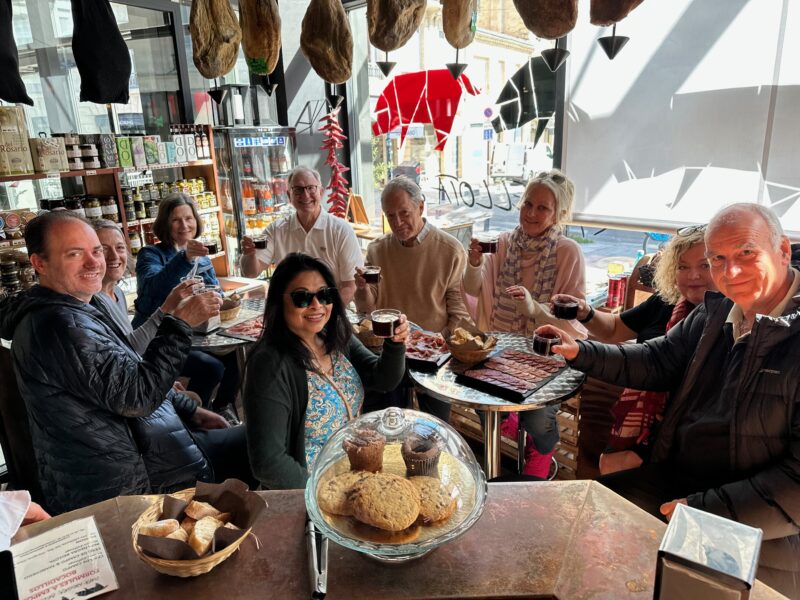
<point>421,97</point>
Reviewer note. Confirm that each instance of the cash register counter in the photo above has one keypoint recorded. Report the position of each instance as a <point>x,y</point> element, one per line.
<point>566,540</point>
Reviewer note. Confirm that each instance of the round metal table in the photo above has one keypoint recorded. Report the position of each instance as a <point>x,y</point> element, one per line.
<point>442,385</point>
<point>222,344</point>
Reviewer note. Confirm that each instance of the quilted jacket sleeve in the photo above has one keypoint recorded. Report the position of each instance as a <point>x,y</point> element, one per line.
<point>657,365</point>
<point>97,367</point>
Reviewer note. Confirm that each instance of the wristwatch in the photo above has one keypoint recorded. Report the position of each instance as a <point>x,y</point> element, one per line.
<point>588,317</point>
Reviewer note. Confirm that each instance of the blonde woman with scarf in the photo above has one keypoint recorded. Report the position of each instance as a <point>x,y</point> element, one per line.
<point>533,262</point>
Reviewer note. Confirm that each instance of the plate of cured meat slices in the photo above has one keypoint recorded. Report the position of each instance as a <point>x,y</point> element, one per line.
<point>249,330</point>
<point>425,350</point>
<point>511,374</point>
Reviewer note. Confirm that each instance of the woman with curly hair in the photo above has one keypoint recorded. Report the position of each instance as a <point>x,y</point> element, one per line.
<point>681,280</point>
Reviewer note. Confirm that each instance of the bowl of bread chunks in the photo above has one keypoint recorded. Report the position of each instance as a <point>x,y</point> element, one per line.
<point>190,532</point>
<point>468,344</point>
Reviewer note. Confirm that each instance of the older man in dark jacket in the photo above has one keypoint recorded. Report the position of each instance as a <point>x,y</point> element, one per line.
<point>729,442</point>
<point>104,421</point>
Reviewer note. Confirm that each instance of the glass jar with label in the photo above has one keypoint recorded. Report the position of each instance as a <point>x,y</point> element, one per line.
<point>92,208</point>
<point>127,195</point>
<point>75,205</point>
<point>151,209</point>
<point>108,206</point>
<point>136,241</point>
<point>138,207</point>
<point>130,211</point>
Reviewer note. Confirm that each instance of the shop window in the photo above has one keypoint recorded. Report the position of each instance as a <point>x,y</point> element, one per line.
<point>43,32</point>
<point>478,168</point>
<point>202,104</point>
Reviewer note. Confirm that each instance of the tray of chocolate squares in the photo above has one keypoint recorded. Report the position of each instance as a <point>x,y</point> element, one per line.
<point>511,374</point>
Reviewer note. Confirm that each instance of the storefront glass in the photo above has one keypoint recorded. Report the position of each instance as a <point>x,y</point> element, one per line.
<point>477,167</point>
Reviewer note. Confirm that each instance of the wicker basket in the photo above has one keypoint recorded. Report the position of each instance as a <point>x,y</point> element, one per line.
<point>469,357</point>
<point>180,568</point>
<point>230,313</point>
<point>369,339</point>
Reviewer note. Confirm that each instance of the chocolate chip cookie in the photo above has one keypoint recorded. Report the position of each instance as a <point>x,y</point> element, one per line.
<point>437,502</point>
<point>385,501</point>
<point>334,495</point>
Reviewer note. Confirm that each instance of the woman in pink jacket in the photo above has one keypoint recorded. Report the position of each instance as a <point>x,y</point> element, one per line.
<point>533,262</point>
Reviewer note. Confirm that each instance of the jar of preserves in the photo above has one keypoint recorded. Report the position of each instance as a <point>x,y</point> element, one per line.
<point>212,199</point>
<point>149,236</point>
<point>138,207</point>
<point>151,208</point>
<point>55,204</point>
<point>108,206</point>
<point>75,205</point>
<point>130,211</point>
<point>127,194</point>
<point>136,241</point>
<point>92,208</point>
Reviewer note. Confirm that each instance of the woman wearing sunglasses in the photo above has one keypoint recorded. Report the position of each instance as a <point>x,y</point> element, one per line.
<point>533,262</point>
<point>681,279</point>
<point>307,374</point>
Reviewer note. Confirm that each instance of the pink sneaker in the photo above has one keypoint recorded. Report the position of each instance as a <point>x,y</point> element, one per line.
<point>509,426</point>
<point>536,464</point>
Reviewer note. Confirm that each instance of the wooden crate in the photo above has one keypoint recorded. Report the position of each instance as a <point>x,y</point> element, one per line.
<point>566,452</point>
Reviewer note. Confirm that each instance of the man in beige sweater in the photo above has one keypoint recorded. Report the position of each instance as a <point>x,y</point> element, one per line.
<point>421,268</point>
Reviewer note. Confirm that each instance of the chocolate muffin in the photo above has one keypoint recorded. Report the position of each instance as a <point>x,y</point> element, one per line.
<point>364,448</point>
<point>421,454</point>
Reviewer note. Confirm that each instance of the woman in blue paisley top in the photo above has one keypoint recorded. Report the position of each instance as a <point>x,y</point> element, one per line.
<point>307,374</point>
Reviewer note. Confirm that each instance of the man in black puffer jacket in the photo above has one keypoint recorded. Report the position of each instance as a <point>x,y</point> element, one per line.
<point>729,442</point>
<point>97,410</point>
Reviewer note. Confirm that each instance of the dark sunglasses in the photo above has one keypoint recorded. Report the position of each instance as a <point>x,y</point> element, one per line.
<point>690,229</point>
<point>303,299</point>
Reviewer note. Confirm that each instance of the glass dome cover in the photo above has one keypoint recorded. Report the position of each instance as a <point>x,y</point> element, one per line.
<point>416,443</point>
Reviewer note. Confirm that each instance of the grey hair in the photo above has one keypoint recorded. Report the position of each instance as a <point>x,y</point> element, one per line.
<point>99,224</point>
<point>727,216</point>
<point>301,169</point>
<point>401,183</point>
<point>560,186</point>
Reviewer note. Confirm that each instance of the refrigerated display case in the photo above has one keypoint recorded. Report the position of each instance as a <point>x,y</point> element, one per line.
<point>252,166</point>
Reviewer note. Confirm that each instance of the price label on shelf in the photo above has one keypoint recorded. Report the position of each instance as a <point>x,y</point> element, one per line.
<point>91,172</point>
<point>54,175</point>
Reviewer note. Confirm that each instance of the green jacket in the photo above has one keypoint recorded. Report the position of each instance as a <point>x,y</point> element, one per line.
<point>275,398</point>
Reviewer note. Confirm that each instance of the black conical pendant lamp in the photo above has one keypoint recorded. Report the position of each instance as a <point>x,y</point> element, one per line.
<point>385,66</point>
<point>613,44</point>
<point>555,57</point>
<point>456,69</point>
<point>217,94</point>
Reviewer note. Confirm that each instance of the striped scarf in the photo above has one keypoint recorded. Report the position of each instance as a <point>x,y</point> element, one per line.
<point>637,411</point>
<point>505,316</point>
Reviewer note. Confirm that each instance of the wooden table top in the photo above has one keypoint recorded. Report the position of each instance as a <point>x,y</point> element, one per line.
<point>567,540</point>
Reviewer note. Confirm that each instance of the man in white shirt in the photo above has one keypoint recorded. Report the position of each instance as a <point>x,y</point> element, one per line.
<point>310,230</point>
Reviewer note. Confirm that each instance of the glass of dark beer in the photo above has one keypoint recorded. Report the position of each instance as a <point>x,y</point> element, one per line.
<point>543,343</point>
<point>372,274</point>
<point>385,321</point>
<point>565,309</point>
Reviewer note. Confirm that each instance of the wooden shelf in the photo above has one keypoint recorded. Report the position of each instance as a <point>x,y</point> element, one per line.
<point>59,174</point>
<point>195,163</point>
